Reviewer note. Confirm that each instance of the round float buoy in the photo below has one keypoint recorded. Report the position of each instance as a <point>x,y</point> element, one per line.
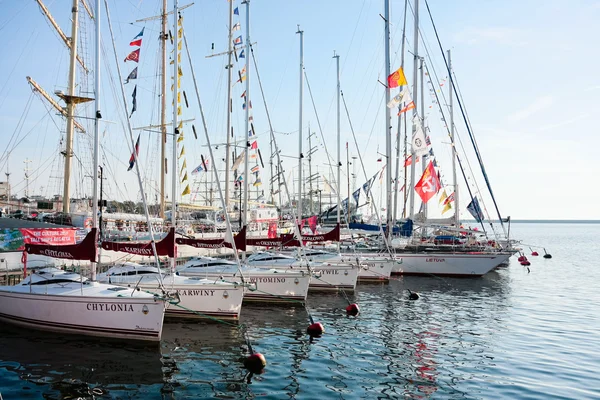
<point>315,329</point>
<point>412,295</point>
<point>525,263</point>
<point>522,258</point>
<point>547,255</point>
<point>535,253</point>
<point>352,309</point>
<point>255,363</point>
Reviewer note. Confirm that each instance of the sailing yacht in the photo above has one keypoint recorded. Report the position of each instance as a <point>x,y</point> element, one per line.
<point>326,276</point>
<point>60,301</point>
<point>266,285</point>
<point>199,298</point>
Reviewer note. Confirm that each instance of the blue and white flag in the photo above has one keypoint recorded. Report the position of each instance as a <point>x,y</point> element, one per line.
<point>475,210</point>
<point>356,195</point>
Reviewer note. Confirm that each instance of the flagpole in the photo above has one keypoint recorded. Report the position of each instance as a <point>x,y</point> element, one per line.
<point>426,156</point>
<point>300,156</point>
<point>388,127</point>
<point>163,109</point>
<point>415,95</point>
<point>228,128</point>
<point>454,179</point>
<point>175,128</point>
<point>399,135</point>
<point>70,100</point>
<point>247,140</point>
<point>339,163</point>
<point>96,130</point>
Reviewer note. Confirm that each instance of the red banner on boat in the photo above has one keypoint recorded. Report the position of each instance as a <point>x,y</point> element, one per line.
<point>86,250</point>
<point>164,247</point>
<point>239,239</point>
<point>333,236</point>
<point>53,236</point>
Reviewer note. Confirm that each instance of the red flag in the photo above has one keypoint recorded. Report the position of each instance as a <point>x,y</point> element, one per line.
<point>408,160</point>
<point>272,233</point>
<point>133,56</point>
<point>449,199</point>
<point>407,107</point>
<point>254,145</point>
<point>397,79</point>
<point>428,185</point>
<point>136,42</point>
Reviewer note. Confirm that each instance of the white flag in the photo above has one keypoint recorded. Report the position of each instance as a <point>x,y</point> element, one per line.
<point>237,161</point>
<point>395,101</point>
<point>419,145</point>
<point>327,188</point>
<point>406,97</point>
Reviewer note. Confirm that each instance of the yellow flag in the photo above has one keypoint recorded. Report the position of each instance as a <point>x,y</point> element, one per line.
<point>443,196</point>
<point>179,71</point>
<point>172,87</point>
<point>179,57</point>
<point>186,190</point>
<point>179,45</point>
<point>182,151</point>
<point>447,207</point>
<point>180,126</point>
<point>178,110</point>
<point>183,167</point>
<point>180,138</point>
<point>179,32</point>
<point>185,178</point>
<point>179,21</point>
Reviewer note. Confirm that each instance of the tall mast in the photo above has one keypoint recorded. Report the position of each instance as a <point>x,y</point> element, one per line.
<point>174,166</point>
<point>163,107</point>
<point>388,127</point>
<point>228,127</point>
<point>339,163</point>
<point>394,215</point>
<point>247,132</point>
<point>424,158</point>
<point>415,95</point>
<point>454,180</point>
<point>310,186</point>
<point>70,107</point>
<point>96,129</point>
<point>299,202</point>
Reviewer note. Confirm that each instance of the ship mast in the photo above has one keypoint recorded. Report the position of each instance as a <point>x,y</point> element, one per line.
<point>163,107</point>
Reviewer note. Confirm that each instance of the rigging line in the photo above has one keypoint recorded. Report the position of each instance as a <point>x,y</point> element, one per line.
<point>455,153</point>
<point>297,231</point>
<point>137,164</point>
<point>8,149</point>
<point>382,233</point>
<point>460,104</point>
<point>329,157</point>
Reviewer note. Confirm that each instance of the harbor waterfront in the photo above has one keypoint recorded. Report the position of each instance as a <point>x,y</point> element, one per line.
<point>512,334</point>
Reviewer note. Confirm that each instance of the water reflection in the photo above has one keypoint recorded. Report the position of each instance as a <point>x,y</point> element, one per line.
<point>64,366</point>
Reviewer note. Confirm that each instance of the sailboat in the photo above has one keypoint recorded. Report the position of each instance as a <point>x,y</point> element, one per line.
<point>198,298</point>
<point>56,300</point>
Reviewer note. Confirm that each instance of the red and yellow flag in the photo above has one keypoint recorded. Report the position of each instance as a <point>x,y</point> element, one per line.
<point>397,79</point>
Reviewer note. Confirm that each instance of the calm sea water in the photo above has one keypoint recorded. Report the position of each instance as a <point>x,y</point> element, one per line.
<point>513,334</point>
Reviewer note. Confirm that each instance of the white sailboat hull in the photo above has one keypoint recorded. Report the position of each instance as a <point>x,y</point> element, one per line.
<point>197,301</point>
<point>268,288</point>
<point>68,308</point>
<point>449,264</point>
<point>334,277</point>
<point>371,269</point>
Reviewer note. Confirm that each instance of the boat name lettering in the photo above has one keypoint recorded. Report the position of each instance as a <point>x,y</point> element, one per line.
<point>319,238</point>
<point>137,250</point>
<point>197,292</point>
<point>330,272</point>
<point>109,307</point>
<point>436,260</point>
<point>56,253</point>
<point>267,280</point>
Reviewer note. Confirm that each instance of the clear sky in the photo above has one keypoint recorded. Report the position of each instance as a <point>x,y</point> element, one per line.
<point>526,71</point>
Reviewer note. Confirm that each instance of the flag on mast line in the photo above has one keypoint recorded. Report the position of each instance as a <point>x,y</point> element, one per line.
<point>132,75</point>
<point>397,79</point>
<point>134,156</point>
<point>428,185</point>
<point>133,56</point>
